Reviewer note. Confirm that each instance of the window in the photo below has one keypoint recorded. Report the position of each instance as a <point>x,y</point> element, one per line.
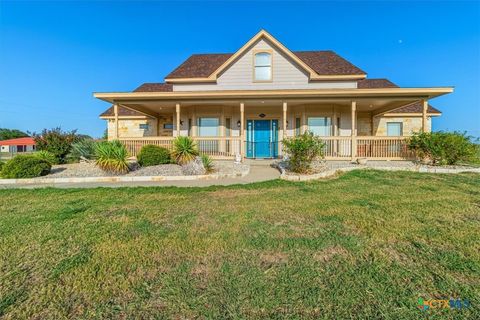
<point>320,126</point>
<point>208,127</point>
<point>189,127</point>
<point>298,126</point>
<point>394,129</point>
<point>263,66</point>
<point>228,127</point>
<point>168,126</point>
<point>143,126</point>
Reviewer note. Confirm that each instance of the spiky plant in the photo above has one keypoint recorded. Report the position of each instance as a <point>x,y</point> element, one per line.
<point>47,156</point>
<point>84,148</point>
<point>184,149</point>
<point>207,162</point>
<point>111,156</point>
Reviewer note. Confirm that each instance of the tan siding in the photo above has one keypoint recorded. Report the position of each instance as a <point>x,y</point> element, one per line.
<point>286,75</point>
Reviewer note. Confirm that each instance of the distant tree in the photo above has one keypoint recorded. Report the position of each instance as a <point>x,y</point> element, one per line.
<point>105,134</point>
<point>6,134</point>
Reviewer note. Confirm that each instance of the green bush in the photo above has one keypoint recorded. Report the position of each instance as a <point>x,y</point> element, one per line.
<point>184,149</point>
<point>111,156</point>
<point>207,162</point>
<point>25,166</point>
<point>84,148</point>
<point>442,148</point>
<point>303,150</point>
<point>56,141</point>
<point>1,166</point>
<point>151,155</point>
<point>47,156</point>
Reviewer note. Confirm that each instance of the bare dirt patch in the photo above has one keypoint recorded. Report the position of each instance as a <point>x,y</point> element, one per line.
<point>328,253</point>
<point>271,259</point>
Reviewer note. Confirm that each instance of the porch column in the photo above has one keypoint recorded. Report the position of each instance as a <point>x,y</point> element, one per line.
<point>194,121</point>
<point>335,129</point>
<point>177,110</point>
<point>304,120</point>
<point>242,127</point>
<point>115,111</point>
<point>285,120</point>
<point>424,115</point>
<point>354,130</point>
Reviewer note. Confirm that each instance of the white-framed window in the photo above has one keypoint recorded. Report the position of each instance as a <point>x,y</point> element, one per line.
<point>208,127</point>
<point>143,126</point>
<point>320,126</point>
<point>263,66</point>
<point>394,129</point>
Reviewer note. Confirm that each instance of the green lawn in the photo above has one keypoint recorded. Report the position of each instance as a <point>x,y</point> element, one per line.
<point>365,245</point>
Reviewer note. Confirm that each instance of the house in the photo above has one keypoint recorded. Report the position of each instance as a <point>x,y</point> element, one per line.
<point>26,144</point>
<point>246,102</point>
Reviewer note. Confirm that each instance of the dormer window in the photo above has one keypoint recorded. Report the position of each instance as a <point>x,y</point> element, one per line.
<point>262,66</point>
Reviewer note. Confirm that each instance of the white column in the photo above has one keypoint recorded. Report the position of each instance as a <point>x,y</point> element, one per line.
<point>285,119</point>
<point>304,120</point>
<point>194,121</point>
<point>115,111</point>
<point>335,129</point>
<point>354,130</point>
<point>242,129</point>
<point>424,115</point>
<point>177,110</point>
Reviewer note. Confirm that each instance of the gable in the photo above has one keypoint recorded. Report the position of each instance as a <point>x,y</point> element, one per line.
<point>317,65</point>
<point>241,71</point>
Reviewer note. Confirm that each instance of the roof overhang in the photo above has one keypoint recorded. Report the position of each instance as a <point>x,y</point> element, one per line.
<point>265,35</point>
<point>414,93</point>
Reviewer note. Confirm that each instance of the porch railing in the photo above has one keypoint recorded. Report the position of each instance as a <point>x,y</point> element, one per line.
<point>217,147</point>
<point>338,147</point>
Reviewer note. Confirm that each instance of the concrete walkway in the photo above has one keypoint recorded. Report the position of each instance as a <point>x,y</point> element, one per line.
<point>260,170</point>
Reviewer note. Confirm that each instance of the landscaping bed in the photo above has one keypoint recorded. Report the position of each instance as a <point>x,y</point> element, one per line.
<point>84,169</point>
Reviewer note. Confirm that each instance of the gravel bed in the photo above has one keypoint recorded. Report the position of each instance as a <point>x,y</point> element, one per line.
<point>82,170</point>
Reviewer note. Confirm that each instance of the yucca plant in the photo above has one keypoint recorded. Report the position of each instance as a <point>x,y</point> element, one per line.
<point>184,149</point>
<point>47,156</point>
<point>84,148</point>
<point>207,162</point>
<point>111,156</point>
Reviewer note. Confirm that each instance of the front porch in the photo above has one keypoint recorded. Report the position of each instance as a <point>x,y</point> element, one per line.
<point>350,129</point>
<point>357,124</point>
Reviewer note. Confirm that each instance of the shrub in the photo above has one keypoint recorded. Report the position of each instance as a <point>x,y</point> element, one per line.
<point>111,156</point>
<point>151,155</point>
<point>1,166</point>
<point>207,162</point>
<point>56,141</point>
<point>25,166</point>
<point>184,149</point>
<point>303,150</point>
<point>47,156</point>
<point>84,148</point>
<point>442,148</point>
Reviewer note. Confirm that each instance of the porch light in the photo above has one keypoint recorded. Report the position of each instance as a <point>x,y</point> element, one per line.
<point>238,123</point>
<point>181,122</point>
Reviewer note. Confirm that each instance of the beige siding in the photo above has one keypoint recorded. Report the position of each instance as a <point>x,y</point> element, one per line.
<point>286,75</point>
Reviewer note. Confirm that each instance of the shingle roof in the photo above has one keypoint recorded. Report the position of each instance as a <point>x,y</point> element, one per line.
<point>122,112</point>
<point>415,107</point>
<point>154,87</point>
<point>322,62</point>
<point>328,63</point>
<point>375,83</point>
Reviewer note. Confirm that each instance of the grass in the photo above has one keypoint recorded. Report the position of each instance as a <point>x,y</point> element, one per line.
<point>365,245</point>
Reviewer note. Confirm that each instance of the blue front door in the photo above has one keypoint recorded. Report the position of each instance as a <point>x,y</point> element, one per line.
<point>262,138</point>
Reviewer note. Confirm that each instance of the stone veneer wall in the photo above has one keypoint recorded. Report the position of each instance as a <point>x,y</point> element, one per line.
<point>410,125</point>
<point>130,128</point>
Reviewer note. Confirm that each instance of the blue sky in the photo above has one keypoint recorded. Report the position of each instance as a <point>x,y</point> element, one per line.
<point>53,55</point>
